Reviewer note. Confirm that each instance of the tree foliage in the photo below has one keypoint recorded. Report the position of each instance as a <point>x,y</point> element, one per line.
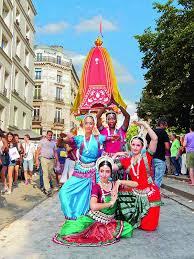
<point>168,57</point>
<point>131,132</point>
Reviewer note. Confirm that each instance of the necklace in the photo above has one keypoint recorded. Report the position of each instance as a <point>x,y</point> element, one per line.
<point>136,173</point>
<point>105,184</point>
<point>102,190</point>
<point>85,144</point>
<point>109,134</point>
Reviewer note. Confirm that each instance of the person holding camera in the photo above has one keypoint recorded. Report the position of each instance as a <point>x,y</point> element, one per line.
<point>28,159</point>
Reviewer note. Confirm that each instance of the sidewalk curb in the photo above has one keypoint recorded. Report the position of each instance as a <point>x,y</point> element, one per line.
<point>178,191</point>
<point>178,178</point>
<point>168,194</point>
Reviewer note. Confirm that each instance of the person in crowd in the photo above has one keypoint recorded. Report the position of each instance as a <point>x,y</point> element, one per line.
<point>168,161</point>
<point>1,147</point>
<point>39,168</point>
<point>10,154</point>
<point>18,161</point>
<point>182,153</point>
<point>189,145</point>
<point>62,154</point>
<point>3,144</point>
<point>175,155</point>
<point>159,164</point>
<point>75,193</point>
<point>117,144</point>
<point>71,157</point>
<point>139,206</point>
<point>98,227</point>
<point>46,151</point>
<point>28,158</point>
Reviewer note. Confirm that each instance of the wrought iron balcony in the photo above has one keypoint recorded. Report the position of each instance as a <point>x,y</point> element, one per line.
<point>59,121</point>
<point>3,91</point>
<point>59,99</point>
<point>52,60</point>
<point>37,118</point>
<point>37,98</point>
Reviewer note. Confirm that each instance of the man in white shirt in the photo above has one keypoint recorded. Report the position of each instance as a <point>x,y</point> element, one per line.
<point>28,158</point>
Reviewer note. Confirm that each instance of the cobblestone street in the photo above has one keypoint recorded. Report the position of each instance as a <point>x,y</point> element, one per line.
<point>30,236</point>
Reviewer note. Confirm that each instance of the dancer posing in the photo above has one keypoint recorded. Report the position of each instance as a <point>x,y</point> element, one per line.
<point>117,144</point>
<point>75,193</point>
<point>139,206</point>
<point>98,227</point>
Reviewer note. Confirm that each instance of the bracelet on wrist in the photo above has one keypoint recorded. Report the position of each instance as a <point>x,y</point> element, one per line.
<point>111,203</point>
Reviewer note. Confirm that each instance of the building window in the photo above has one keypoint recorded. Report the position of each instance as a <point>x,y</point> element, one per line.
<point>59,79</point>
<point>16,79</point>
<point>26,90</point>
<point>27,33</point>
<point>17,17</point>
<point>24,120</point>
<point>37,130</point>
<point>39,57</point>
<point>18,47</point>
<point>38,72</point>
<point>56,134</point>
<point>27,59</point>
<point>59,60</point>
<point>58,93</point>
<point>36,110</point>
<point>5,14</point>
<point>37,92</point>
<point>29,11</point>
<point>4,44</point>
<point>15,116</point>
<point>6,80</point>
<point>58,114</point>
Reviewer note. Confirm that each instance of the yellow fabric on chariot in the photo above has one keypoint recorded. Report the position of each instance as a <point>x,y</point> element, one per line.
<point>82,88</point>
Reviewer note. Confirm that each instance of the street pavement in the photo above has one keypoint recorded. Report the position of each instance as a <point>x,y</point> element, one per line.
<point>180,190</point>
<point>20,201</point>
<point>31,236</point>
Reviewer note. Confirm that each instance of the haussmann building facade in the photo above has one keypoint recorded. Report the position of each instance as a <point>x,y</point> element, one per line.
<point>56,85</point>
<point>16,63</point>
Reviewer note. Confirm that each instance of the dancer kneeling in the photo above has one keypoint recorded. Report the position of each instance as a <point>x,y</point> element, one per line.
<point>98,227</point>
<point>139,206</point>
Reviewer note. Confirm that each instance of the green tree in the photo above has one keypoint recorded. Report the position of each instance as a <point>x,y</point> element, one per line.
<point>132,131</point>
<point>168,57</point>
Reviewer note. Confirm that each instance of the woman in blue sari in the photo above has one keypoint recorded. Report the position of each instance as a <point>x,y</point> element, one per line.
<point>75,193</point>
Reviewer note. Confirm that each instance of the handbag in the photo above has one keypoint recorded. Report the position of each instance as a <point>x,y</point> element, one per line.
<point>13,153</point>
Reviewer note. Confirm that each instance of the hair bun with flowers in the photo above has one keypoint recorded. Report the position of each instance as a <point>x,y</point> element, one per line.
<point>91,116</point>
<point>111,113</point>
<point>104,158</point>
<point>141,137</point>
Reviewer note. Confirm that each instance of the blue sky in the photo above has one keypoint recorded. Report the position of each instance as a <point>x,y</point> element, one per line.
<point>74,24</point>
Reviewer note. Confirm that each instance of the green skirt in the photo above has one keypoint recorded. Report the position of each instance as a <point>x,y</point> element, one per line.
<point>190,160</point>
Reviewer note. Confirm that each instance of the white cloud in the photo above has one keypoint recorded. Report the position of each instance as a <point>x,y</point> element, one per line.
<point>93,25</point>
<point>52,28</point>
<point>131,107</point>
<point>122,75</point>
<point>77,59</point>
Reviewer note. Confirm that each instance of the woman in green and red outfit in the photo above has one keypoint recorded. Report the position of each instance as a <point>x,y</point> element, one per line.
<point>98,227</point>
<point>139,206</point>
